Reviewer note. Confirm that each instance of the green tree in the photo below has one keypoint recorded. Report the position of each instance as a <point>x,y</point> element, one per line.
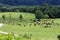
<point>38,14</point>
<point>3,17</point>
<point>21,17</point>
<point>46,16</point>
<point>49,10</point>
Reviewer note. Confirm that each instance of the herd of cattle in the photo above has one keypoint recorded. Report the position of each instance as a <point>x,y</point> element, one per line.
<point>43,22</point>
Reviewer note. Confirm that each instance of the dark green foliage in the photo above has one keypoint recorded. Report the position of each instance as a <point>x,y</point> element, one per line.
<point>3,17</point>
<point>58,37</point>
<point>21,17</point>
<point>38,14</point>
<point>46,16</point>
<point>46,10</point>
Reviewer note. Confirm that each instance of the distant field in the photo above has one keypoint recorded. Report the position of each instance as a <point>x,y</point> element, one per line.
<point>15,15</point>
<point>38,32</point>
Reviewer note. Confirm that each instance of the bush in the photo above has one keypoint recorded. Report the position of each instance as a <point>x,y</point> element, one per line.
<point>38,14</point>
<point>21,17</point>
<point>3,17</point>
<point>46,16</point>
<point>58,37</point>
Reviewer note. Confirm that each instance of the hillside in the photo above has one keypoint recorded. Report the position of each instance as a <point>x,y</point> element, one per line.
<point>29,2</point>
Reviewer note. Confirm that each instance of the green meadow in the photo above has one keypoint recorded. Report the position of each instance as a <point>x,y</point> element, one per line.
<point>38,32</point>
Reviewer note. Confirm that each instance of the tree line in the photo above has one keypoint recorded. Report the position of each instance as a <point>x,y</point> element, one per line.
<point>44,11</point>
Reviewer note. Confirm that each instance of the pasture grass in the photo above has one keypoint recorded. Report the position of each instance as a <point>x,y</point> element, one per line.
<point>38,32</point>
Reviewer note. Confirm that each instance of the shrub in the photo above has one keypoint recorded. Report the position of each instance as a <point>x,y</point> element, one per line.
<point>34,24</point>
<point>58,37</point>
<point>20,17</point>
<point>38,14</point>
<point>46,16</point>
<point>3,17</point>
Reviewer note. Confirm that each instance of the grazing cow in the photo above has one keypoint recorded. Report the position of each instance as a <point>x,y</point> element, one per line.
<point>38,22</point>
<point>34,20</point>
<point>46,26</point>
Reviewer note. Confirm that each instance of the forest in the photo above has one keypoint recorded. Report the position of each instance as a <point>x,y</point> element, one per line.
<point>44,10</point>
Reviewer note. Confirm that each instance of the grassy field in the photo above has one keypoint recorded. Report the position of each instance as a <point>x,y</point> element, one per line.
<point>15,15</point>
<point>38,32</point>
